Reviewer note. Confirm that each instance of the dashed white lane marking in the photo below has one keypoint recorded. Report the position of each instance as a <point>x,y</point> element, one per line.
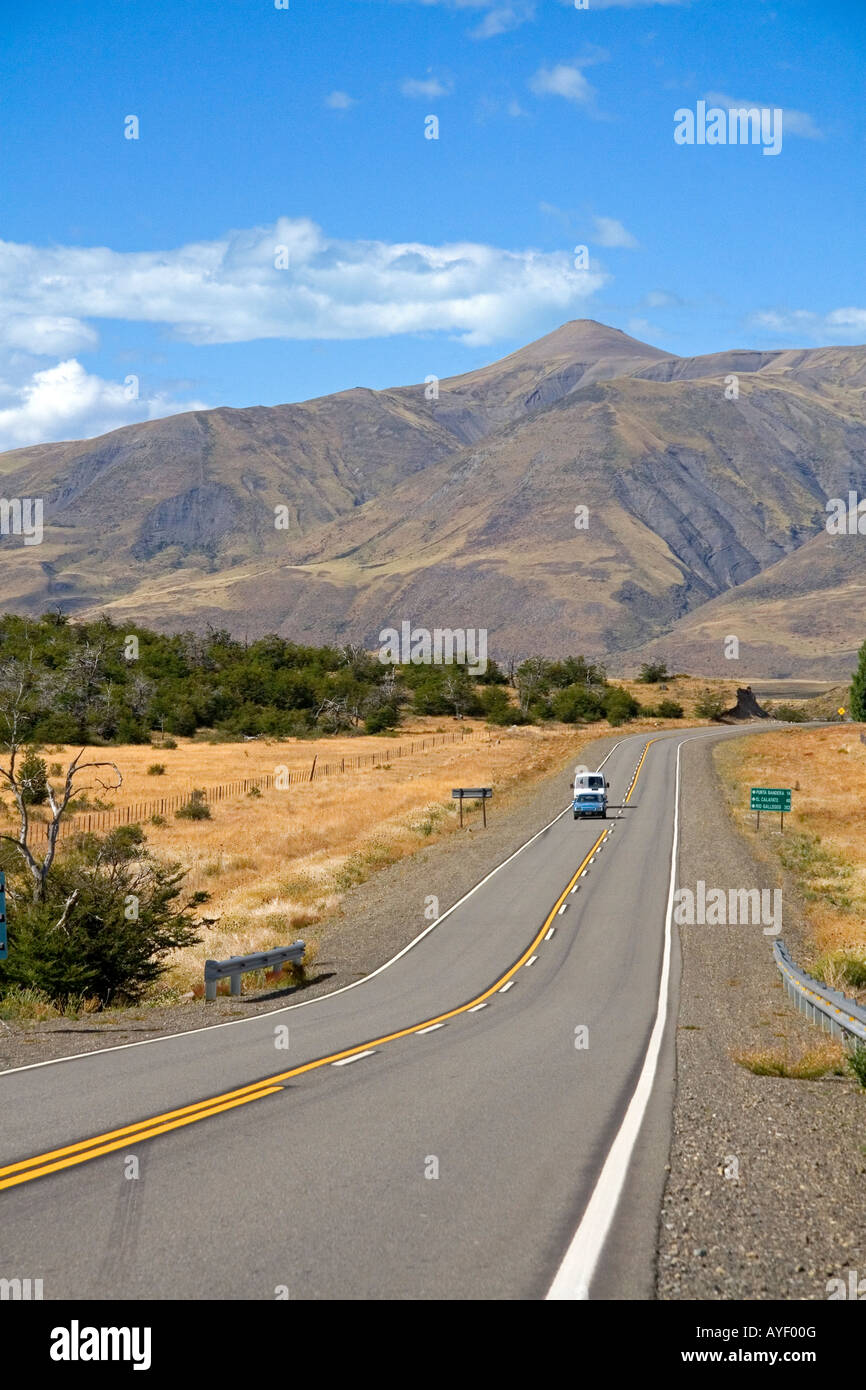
<point>431,1029</point>
<point>574,889</point>
<point>550,933</point>
<point>344,1061</point>
<point>562,909</point>
<point>505,987</point>
<point>476,1007</point>
<point>531,961</point>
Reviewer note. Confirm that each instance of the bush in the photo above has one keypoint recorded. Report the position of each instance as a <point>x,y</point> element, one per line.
<point>857,1061</point>
<point>651,672</point>
<point>710,704</point>
<point>255,790</point>
<point>194,809</point>
<point>669,709</point>
<point>497,706</point>
<point>378,720</point>
<point>116,903</point>
<point>619,706</point>
<point>577,705</point>
<point>156,770</point>
<point>792,714</point>
<point>166,742</point>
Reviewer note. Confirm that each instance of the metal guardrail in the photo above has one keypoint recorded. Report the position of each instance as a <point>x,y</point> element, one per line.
<point>236,966</point>
<point>834,1012</point>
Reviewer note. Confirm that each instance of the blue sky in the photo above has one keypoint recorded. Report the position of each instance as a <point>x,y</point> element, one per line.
<point>138,276</point>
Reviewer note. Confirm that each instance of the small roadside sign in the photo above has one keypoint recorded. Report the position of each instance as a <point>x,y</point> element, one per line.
<point>770,799</point>
<point>4,945</point>
<point>482,794</point>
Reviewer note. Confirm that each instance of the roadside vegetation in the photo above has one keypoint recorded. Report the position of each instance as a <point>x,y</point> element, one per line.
<point>823,847</point>
<point>103,917</point>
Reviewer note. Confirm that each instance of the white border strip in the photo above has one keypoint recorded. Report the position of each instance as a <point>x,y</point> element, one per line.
<point>286,1008</point>
<point>574,1276</point>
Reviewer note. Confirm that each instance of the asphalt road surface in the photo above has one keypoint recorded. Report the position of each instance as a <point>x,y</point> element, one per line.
<point>487,1116</point>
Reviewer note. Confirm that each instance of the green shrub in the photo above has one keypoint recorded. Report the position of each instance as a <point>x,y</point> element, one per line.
<point>497,706</point>
<point>619,706</point>
<point>194,809</point>
<point>710,704</point>
<point>792,714</point>
<point>669,709</point>
<point>156,770</point>
<point>578,705</point>
<point>107,920</point>
<point>856,1060</point>
<point>651,672</point>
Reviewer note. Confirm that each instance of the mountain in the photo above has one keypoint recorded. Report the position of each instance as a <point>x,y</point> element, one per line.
<point>459,511</point>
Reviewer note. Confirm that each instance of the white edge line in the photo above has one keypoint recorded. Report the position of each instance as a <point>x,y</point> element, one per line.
<point>574,1276</point>
<point>344,1061</point>
<point>303,1003</point>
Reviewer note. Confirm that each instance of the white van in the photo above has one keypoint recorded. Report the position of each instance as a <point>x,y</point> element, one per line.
<point>589,782</point>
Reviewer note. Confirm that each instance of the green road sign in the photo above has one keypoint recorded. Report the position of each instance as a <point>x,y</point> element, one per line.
<point>770,799</point>
<point>4,949</point>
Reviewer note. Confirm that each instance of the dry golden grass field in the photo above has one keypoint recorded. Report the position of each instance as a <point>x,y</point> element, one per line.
<point>274,865</point>
<point>824,842</point>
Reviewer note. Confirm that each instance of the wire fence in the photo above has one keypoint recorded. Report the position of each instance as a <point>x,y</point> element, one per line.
<point>99,821</point>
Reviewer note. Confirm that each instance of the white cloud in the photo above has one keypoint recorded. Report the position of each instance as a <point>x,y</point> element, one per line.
<point>340,101</point>
<point>563,80</point>
<point>662,299</point>
<point>793,122</point>
<point>46,334</point>
<point>424,87</point>
<point>609,232</point>
<point>66,402</point>
<point>502,19</point>
<point>229,291</point>
<point>819,328</point>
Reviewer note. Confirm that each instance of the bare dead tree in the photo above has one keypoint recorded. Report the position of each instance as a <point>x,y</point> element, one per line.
<point>20,688</point>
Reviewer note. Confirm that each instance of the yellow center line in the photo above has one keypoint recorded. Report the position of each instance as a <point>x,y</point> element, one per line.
<point>56,1159</point>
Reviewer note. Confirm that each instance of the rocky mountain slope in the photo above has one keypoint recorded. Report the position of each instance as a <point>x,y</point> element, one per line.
<point>588,492</point>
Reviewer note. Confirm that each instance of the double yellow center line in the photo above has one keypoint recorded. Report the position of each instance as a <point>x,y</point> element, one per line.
<point>26,1170</point>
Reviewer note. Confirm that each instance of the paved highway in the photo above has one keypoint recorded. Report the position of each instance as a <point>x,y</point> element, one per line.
<point>485,1117</point>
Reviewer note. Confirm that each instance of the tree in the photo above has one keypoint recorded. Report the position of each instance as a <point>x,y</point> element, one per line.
<point>651,672</point>
<point>858,687</point>
<point>106,920</point>
<point>532,680</point>
<point>459,690</point>
<point>19,697</point>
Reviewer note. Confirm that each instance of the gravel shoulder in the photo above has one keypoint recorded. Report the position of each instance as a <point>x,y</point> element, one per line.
<point>375,920</point>
<point>794,1216</point>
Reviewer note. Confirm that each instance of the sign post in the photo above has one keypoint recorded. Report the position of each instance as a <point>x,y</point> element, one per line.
<point>482,794</point>
<point>4,945</point>
<point>770,799</point>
